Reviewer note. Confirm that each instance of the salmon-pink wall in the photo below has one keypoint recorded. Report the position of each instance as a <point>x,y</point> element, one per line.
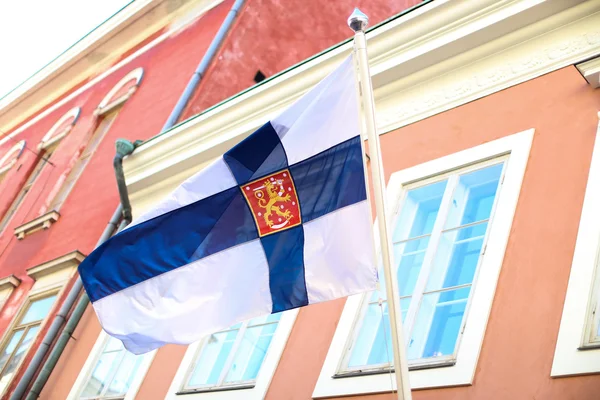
<point>519,344</point>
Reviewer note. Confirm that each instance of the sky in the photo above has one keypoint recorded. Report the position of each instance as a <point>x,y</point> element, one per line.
<point>34,32</point>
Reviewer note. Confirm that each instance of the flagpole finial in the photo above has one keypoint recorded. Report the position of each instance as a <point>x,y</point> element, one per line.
<point>358,21</point>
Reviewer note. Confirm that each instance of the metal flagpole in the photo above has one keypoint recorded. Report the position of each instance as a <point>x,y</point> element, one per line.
<point>358,23</point>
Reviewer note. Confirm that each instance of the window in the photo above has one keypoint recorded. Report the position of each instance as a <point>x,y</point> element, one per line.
<point>242,357</point>
<point>113,373</point>
<point>37,170</point>
<point>592,336</point>
<point>438,240</point>
<point>578,344</point>
<point>452,219</point>
<point>10,158</point>
<point>85,157</point>
<point>233,357</point>
<point>21,336</point>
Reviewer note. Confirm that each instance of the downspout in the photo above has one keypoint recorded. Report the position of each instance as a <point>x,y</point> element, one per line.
<point>60,318</point>
<point>124,209</point>
<point>212,50</point>
<point>123,213</point>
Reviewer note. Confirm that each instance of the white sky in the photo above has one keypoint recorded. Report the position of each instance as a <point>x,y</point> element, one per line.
<point>34,32</point>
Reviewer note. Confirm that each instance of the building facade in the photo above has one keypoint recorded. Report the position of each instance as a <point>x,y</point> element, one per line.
<point>488,116</point>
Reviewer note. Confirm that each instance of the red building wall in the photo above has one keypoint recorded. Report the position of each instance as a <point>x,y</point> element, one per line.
<point>272,35</point>
<point>167,69</point>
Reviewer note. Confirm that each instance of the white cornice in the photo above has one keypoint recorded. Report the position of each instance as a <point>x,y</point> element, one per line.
<point>437,57</point>
<point>69,260</point>
<point>591,71</point>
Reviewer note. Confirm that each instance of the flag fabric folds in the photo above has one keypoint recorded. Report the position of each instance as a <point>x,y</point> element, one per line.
<point>279,221</point>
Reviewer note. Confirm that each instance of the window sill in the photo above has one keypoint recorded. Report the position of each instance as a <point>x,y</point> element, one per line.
<point>215,389</point>
<point>42,222</point>
<point>378,371</point>
<point>592,346</point>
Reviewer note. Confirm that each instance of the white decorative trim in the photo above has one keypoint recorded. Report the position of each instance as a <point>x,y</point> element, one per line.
<point>69,260</point>
<point>568,358</point>
<point>10,281</point>
<point>263,379</point>
<point>463,371</point>
<point>41,222</point>
<point>18,149</point>
<point>108,102</point>
<point>7,285</point>
<point>93,358</point>
<point>53,136</point>
<point>591,72</point>
<point>486,45</point>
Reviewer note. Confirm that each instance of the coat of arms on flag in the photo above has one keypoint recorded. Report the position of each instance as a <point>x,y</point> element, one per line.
<point>280,221</point>
<point>274,202</point>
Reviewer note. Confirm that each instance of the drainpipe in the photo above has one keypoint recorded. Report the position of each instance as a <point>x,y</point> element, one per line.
<point>214,47</point>
<point>124,148</point>
<point>123,212</point>
<point>124,209</point>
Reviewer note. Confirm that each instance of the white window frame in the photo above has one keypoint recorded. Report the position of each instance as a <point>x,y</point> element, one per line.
<point>46,284</point>
<point>462,371</point>
<point>92,360</point>
<point>574,354</point>
<point>258,390</point>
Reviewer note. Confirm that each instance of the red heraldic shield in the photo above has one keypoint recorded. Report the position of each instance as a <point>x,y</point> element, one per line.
<point>274,202</point>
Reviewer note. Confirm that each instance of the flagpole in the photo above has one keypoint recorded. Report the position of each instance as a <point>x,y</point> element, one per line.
<point>358,23</point>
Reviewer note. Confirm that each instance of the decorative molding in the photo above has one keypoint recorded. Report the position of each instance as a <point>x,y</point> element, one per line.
<point>109,102</point>
<point>53,136</point>
<point>69,260</point>
<point>509,68</point>
<point>442,55</point>
<point>9,282</point>
<point>41,222</point>
<point>591,71</point>
<point>14,152</point>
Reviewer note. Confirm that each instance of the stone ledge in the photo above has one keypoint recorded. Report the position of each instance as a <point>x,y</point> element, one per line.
<point>41,222</point>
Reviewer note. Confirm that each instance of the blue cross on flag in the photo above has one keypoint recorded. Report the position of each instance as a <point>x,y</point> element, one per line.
<point>279,221</point>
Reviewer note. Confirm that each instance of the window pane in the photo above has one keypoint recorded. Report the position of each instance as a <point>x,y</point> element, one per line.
<point>18,355</point>
<point>370,347</point>
<point>127,370</point>
<point>474,195</point>
<point>264,320</point>
<point>107,363</point>
<point>251,353</point>
<point>212,359</point>
<point>457,257</point>
<point>419,211</point>
<point>438,324</point>
<point>409,258</point>
<point>114,371</point>
<point>38,310</point>
<point>373,345</point>
<point>10,347</point>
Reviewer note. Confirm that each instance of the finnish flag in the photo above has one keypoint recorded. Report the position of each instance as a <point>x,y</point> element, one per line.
<point>279,221</point>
